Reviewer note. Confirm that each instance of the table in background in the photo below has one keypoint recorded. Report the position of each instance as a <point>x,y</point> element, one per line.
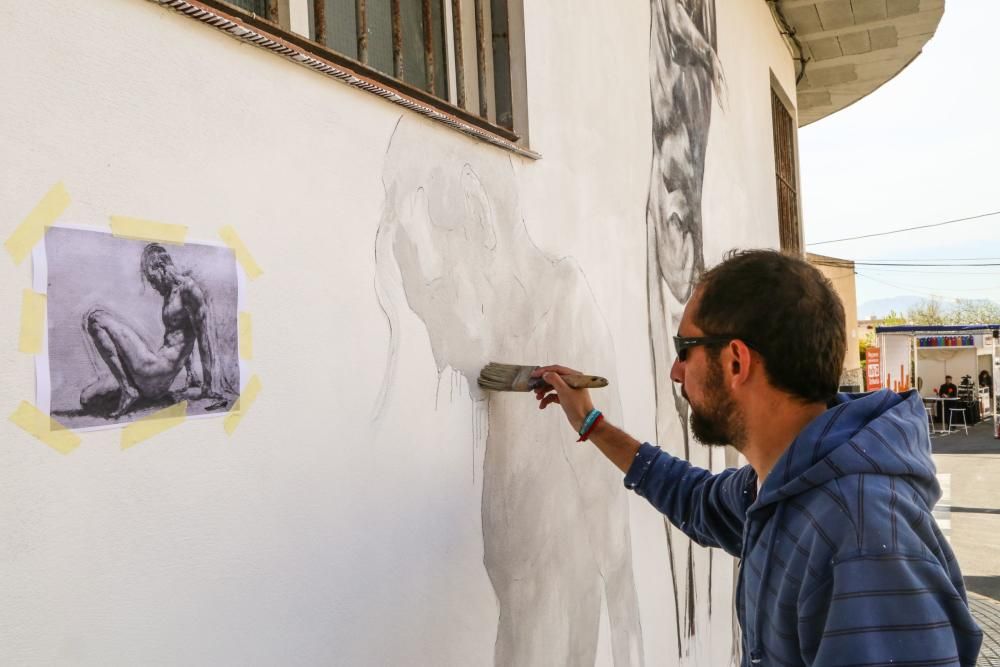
<point>942,406</point>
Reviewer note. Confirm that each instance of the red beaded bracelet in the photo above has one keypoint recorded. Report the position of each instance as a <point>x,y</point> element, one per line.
<point>586,434</point>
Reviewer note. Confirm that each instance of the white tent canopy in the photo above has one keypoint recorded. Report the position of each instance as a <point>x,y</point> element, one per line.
<point>921,356</point>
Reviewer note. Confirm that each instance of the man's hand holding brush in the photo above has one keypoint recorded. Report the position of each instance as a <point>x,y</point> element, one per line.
<point>575,403</point>
<point>617,445</point>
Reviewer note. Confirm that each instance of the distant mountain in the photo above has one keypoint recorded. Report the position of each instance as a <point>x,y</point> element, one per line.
<point>881,307</point>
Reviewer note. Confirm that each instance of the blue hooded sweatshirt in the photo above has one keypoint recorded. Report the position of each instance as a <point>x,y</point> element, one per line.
<point>841,562</point>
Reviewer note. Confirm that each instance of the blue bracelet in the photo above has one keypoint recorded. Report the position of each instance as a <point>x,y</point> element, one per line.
<point>589,421</point>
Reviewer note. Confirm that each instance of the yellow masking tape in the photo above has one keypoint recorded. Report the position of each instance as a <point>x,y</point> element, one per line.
<point>154,424</point>
<point>32,322</point>
<point>229,236</point>
<point>246,336</point>
<point>32,228</point>
<point>147,230</point>
<point>243,404</point>
<point>45,428</point>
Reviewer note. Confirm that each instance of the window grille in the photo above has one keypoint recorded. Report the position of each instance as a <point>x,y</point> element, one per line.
<point>265,8</point>
<point>455,50</point>
<point>450,60</point>
<point>785,171</point>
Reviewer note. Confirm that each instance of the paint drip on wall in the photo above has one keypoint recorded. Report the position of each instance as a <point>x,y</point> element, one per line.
<point>452,247</point>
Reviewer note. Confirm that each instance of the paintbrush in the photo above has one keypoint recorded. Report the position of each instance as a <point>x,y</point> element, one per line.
<point>511,377</point>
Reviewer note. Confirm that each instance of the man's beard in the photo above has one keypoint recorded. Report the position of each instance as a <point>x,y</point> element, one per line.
<point>719,422</point>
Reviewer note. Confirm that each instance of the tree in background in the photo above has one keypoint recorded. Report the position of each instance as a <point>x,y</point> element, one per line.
<point>931,311</point>
<point>961,311</point>
<point>864,342</point>
<point>893,319</point>
<point>975,311</point>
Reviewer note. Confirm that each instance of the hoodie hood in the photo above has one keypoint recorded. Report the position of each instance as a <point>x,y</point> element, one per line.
<point>881,432</point>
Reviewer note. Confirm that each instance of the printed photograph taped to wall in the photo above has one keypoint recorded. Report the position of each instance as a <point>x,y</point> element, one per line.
<point>137,326</point>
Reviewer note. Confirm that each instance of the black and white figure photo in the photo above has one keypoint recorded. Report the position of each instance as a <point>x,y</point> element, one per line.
<point>137,326</point>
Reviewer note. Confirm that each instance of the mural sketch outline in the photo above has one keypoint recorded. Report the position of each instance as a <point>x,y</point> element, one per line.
<point>557,545</point>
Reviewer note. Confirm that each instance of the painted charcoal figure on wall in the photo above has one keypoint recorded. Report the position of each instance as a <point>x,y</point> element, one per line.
<point>684,70</point>
<point>452,247</point>
<point>159,325</point>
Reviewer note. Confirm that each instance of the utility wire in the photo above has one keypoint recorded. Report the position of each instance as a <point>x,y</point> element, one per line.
<point>905,289</point>
<point>848,263</point>
<point>926,259</point>
<point>927,272</point>
<point>923,288</point>
<point>960,290</point>
<point>907,229</point>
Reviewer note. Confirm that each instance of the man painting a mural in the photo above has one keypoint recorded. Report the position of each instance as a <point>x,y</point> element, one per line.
<point>684,69</point>
<point>842,561</point>
<point>344,212</point>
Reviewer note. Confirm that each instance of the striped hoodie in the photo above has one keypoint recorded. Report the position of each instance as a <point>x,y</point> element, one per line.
<point>841,562</point>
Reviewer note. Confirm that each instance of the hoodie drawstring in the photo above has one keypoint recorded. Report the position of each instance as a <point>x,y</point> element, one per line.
<point>757,652</point>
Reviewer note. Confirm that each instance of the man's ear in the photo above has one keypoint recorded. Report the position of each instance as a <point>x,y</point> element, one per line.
<point>740,362</point>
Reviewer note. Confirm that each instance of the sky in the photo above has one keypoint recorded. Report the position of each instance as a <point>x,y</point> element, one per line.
<point>924,148</point>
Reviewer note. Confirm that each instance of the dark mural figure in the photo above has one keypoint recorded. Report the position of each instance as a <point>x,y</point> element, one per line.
<point>684,70</point>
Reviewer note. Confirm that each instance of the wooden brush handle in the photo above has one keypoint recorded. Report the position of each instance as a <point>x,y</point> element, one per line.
<point>585,381</point>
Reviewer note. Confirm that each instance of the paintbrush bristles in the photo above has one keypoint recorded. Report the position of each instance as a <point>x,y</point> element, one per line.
<point>507,377</point>
<point>511,377</point>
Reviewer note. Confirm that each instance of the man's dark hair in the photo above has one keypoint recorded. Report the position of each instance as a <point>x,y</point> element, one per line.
<point>786,310</point>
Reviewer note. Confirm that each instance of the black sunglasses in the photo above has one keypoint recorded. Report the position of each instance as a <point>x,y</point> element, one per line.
<point>683,343</point>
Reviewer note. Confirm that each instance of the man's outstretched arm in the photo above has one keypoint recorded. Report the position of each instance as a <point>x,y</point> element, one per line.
<point>613,442</point>
<point>708,507</point>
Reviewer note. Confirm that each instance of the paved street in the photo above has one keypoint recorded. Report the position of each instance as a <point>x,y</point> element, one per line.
<point>969,514</point>
<point>987,612</point>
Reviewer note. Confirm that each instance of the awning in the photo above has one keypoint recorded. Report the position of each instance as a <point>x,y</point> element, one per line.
<point>939,328</point>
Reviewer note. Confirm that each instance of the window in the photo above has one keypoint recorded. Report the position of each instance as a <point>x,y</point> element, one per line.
<point>267,8</point>
<point>786,173</point>
<point>455,50</point>
<point>457,62</point>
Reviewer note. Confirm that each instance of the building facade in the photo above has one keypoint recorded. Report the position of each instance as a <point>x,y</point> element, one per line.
<point>840,273</point>
<point>257,254</point>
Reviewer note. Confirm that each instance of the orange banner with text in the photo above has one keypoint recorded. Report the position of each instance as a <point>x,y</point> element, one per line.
<point>873,369</point>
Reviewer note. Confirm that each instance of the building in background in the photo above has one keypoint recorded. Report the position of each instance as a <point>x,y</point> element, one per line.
<point>840,272</point>
<point>411,190</point>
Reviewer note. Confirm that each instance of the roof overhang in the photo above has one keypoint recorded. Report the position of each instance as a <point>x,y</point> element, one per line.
<point>851,47</point>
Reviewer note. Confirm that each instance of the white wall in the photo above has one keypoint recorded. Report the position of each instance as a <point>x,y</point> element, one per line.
<point>318,534</point>
<point>934,365</point>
